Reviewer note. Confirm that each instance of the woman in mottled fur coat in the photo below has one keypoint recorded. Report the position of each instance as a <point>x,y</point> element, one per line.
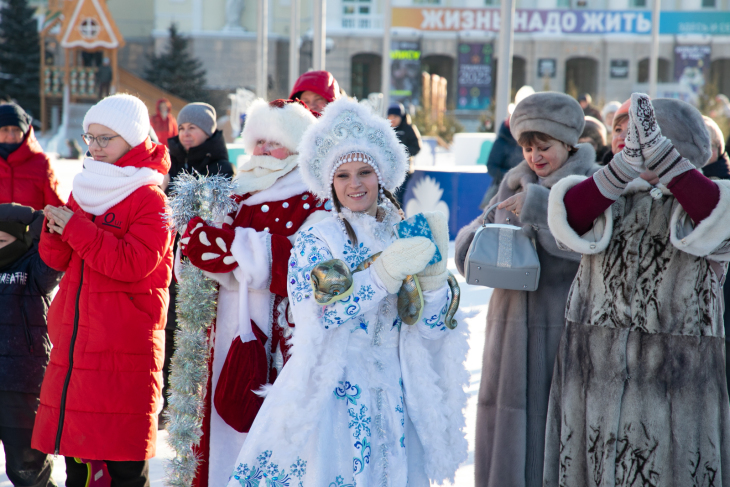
<point>524,328</point>
<point>639,394</point>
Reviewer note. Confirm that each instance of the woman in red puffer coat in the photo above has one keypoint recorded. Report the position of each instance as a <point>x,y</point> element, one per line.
<point>101,392</point>
<point>26,176</point>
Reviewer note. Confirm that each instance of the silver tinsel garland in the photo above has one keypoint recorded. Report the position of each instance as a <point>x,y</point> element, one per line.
<point>210,198</point>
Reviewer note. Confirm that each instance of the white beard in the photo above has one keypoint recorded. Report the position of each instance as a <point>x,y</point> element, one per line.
<point>261,172</point>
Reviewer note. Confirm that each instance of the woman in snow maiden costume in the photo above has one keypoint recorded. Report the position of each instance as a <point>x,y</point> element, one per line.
<point>101,392</point>
<point>524,328</point>
<point>249,343</point>
<point>364,399</point>
<point>639,394</point>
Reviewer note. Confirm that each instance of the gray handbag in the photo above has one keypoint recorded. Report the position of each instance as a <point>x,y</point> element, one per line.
<point>502,256</point>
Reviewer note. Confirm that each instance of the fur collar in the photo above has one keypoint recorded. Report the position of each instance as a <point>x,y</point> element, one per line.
<point>582,162</point>
<point>284,188</point>
<point>638,185</point>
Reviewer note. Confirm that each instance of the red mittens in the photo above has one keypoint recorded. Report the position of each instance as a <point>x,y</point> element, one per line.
<point>207,247</point>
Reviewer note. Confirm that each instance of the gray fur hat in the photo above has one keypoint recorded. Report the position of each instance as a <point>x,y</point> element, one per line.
<point>555,114</point>
<point>683,124</point>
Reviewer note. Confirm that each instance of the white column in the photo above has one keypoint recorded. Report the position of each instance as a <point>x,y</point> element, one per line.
<point>262,49</point>
<point>319,41</point>
<point>654,56</point>
<point>504,75</point>
<point>294,42</point>
<point>385,69</point>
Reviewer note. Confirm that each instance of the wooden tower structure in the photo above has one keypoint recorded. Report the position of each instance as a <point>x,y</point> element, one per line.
<point>85,33</point>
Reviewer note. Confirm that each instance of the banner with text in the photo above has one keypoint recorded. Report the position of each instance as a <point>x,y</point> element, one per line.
<point>475,76</point>
<point>532,21</point>
<point>405,72</point>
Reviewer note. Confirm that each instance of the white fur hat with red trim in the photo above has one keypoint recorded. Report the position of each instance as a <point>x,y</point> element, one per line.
<point>282,121</point>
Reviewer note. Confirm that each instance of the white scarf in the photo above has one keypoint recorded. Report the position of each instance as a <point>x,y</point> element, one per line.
<point>260,172</point>
<point>101,185</point>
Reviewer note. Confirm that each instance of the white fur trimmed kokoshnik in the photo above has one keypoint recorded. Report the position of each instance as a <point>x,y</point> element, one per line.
<point>285,125</point>
<point>100,186</point>
<point>345,128</point>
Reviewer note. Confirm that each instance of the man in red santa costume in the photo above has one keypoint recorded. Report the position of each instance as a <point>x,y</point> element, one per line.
<point>248,256</point>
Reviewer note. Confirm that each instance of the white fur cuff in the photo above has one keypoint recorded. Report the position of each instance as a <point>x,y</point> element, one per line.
<point>704,239</point>
<point>593,242</point>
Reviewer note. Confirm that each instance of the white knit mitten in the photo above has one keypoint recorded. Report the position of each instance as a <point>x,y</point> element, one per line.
<point>434,275</point>
<point>625,166</point>
<point>658,151</point>
<point>403,258</point>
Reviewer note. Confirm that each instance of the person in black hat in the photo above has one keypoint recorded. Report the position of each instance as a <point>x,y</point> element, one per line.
<point>26,284</point>
<point>405,130</point>
<point>26,176</point>
<point>408,135</point>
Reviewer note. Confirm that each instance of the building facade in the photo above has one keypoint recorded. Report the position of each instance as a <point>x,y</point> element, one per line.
<point>599,47</point>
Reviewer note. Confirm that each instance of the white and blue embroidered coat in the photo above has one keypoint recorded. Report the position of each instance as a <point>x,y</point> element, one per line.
<point>364,399</point>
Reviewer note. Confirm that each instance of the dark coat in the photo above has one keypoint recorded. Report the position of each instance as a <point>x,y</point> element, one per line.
<point>210,157</point>
<point>505,155</point>
<point>719,169</point>
<point>25,295</point>
<point>522,335</point>
<point>409,136</point>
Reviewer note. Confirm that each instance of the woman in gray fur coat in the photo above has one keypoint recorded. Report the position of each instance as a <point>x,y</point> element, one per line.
<point>524,328</point>
<point>639,396</point>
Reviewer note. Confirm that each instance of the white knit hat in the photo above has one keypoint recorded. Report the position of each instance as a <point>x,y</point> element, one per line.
<point>124,114</point>
<point>349,131</point>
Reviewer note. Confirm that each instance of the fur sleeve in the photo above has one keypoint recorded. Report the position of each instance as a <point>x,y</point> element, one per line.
<point>595,240</point>
<point>463,242</point>
<point>534,217</point>
<point>711,238</point>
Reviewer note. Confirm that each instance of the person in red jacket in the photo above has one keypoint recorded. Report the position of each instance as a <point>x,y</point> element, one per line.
<point>163,123</point>
<point>26,176</point>
<point>101,393</point>
<point>316,89</point>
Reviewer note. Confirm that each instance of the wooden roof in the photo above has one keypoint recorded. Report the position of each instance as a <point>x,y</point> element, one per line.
<point>89,25</point>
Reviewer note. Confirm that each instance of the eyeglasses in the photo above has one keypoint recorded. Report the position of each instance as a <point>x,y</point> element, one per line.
<point>101,140</point>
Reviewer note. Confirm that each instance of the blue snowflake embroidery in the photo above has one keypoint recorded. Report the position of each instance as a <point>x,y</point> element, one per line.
<point>340,482</point>
<point>366,292</point>
<point>355,255</point>
<point>348,392</point>
<point>360,422</point>
<point>396,323</point>
<point>399,409</point>
<point>269,472</point>
<point>358,464</point>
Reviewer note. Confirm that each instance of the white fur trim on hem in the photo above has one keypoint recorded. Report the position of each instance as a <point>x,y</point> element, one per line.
<point>712,233</point>
<point>593,242</point>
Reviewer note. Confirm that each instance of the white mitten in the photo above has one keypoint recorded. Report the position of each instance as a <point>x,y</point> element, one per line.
<point>403,258</point>
<point>658,151</point>
<point>434,275</point>
<point>625,166</point>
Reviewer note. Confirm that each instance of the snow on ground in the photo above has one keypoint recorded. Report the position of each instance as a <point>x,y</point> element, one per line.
<point>474,300</point>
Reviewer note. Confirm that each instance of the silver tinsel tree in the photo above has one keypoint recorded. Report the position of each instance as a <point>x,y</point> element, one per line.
<point>210,198</point>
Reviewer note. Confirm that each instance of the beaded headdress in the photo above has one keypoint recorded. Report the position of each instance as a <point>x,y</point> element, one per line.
<point>347,132</point>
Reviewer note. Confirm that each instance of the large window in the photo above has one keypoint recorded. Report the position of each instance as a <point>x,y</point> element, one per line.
<point>709,3</point>
<point>356,14</point>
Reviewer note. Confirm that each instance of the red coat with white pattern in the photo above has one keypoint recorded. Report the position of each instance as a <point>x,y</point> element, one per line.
<point>276,214</point>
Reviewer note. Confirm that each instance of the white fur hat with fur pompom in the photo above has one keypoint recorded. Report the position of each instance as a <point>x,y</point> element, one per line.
<point>282,121</point>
